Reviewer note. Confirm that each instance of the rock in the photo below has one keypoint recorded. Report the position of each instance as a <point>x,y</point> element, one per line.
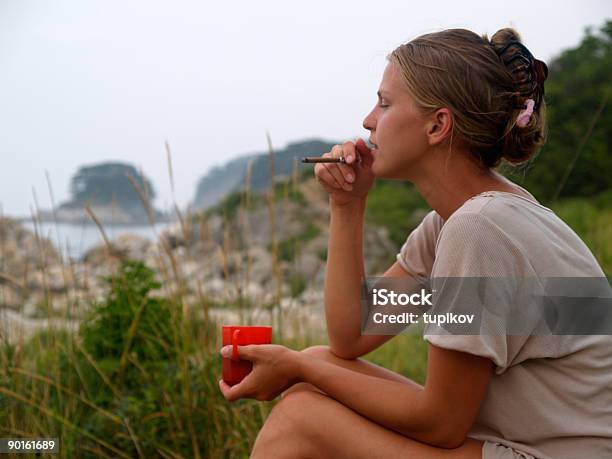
<point>216,259</point>
<point>254,290</point>
<point>196,230</point>
<point>260,266</point>
<point>307,265</point>
<point>313,296</point>
<point>131,246</point>
<point>30,307</point>
<point>58,278</point>
<point>99,254</point>
<point>317,246</point>
<point>22,250</point>
<point>214,288</point>
<point>190,269</point>
<point>11,296</point>
<point>126,246</point>
<point>287,303</point>
<point>15,327</point>
<point>379,250</point>
<point>55,278</point>
<point>35,280</point>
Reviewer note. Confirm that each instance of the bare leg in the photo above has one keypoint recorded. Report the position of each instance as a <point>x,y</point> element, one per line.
<point>359,365</point>
<point>307,424</point>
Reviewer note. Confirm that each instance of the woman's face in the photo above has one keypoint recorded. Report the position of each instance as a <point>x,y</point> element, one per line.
<point>397,129</point>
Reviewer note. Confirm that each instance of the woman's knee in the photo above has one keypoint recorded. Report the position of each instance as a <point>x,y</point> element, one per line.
<point>319,350</point>
<point>284,433</point>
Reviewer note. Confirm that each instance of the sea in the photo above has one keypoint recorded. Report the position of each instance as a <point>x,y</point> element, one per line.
<point>74,240</point>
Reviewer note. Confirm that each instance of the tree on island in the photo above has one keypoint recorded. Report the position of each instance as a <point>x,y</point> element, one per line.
<point>109,183</point>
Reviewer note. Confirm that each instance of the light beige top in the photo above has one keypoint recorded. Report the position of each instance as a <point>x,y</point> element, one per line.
<point>550,396</point>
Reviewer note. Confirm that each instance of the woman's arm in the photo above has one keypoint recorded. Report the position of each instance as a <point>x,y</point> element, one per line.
<point>345,269</point>
<point>440,414</point>
<point>343,277</point>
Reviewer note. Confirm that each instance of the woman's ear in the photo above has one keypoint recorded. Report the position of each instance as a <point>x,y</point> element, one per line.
<point>439,126</point>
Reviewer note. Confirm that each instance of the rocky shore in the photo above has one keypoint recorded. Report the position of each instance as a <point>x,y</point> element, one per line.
<point>212,263</point>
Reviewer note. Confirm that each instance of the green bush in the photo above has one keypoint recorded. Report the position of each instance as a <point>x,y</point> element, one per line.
<point>130,320</point>
<point>591,219</point>
<point>139,379</point>
<point>390,204</point>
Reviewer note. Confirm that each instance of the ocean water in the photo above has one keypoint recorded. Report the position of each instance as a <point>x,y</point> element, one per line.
<point>74,240</point>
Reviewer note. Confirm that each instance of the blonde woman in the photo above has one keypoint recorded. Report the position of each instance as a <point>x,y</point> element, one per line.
<point>451,106</point>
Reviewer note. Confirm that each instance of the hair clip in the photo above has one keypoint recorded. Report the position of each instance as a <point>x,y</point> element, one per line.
<point>525,115</point>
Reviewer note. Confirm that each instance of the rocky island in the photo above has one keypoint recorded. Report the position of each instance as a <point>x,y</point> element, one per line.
<point>116,193</point>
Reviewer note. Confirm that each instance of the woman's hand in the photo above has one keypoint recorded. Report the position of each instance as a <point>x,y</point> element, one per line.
<point>348,182</point>
<point>274,371</point>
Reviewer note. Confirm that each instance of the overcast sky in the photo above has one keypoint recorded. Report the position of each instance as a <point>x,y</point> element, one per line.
<point>86,81</point>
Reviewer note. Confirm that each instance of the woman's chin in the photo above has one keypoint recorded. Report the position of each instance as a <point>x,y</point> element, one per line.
<point>386,173</point>
<point>379,170</point>
<point>376,163</point>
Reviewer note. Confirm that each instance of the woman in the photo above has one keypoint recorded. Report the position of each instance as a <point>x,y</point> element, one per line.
<point>451,106</point>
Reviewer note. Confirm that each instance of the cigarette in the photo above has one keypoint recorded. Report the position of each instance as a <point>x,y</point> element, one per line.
<point>320,159</point>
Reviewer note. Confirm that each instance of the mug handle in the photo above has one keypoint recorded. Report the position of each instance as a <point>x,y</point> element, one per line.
<point>235,355</point>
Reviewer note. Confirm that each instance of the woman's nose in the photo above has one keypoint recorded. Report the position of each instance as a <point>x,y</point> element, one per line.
<point>369,121</point>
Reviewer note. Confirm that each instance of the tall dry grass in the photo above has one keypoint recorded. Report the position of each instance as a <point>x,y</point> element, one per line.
<point>125,403</point>
<point>145,385</point>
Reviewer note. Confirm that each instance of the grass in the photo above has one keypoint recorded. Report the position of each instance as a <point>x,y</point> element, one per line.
<point>405,354</point>
<point>139,378</point>
<point>592,221</point>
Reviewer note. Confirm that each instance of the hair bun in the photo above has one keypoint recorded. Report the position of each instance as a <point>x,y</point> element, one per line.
<point>527,72</point>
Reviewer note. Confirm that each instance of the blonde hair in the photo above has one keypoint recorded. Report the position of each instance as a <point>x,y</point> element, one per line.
<point>484,83</point>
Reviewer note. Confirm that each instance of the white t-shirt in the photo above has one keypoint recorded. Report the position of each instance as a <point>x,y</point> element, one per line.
<point>550,396</point>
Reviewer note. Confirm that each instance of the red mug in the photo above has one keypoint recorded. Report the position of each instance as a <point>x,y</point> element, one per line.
<point>234,369</point>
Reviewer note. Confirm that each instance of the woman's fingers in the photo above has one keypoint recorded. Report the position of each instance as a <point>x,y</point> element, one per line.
<point>351,179</point>
<point>350,155</point>
<point>241,390</point>
<point>343,173</point>
<point>325,177</point>
<point>330,174</point>
<point>226,390</point>
<point>365,152</point>
<point>337,170</point>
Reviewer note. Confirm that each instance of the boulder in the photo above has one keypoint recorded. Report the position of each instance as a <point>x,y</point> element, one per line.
<point>125,246</point>
<point>307,265</point>
<point>11,296</point>
<point>21,249</point>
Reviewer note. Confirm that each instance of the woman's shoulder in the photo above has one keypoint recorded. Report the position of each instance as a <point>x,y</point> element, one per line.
<point>488,216</point>
<point>496,222</point>
<point>507,211</point>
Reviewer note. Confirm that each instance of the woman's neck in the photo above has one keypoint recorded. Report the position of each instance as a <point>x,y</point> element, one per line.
<point>446,182</point>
